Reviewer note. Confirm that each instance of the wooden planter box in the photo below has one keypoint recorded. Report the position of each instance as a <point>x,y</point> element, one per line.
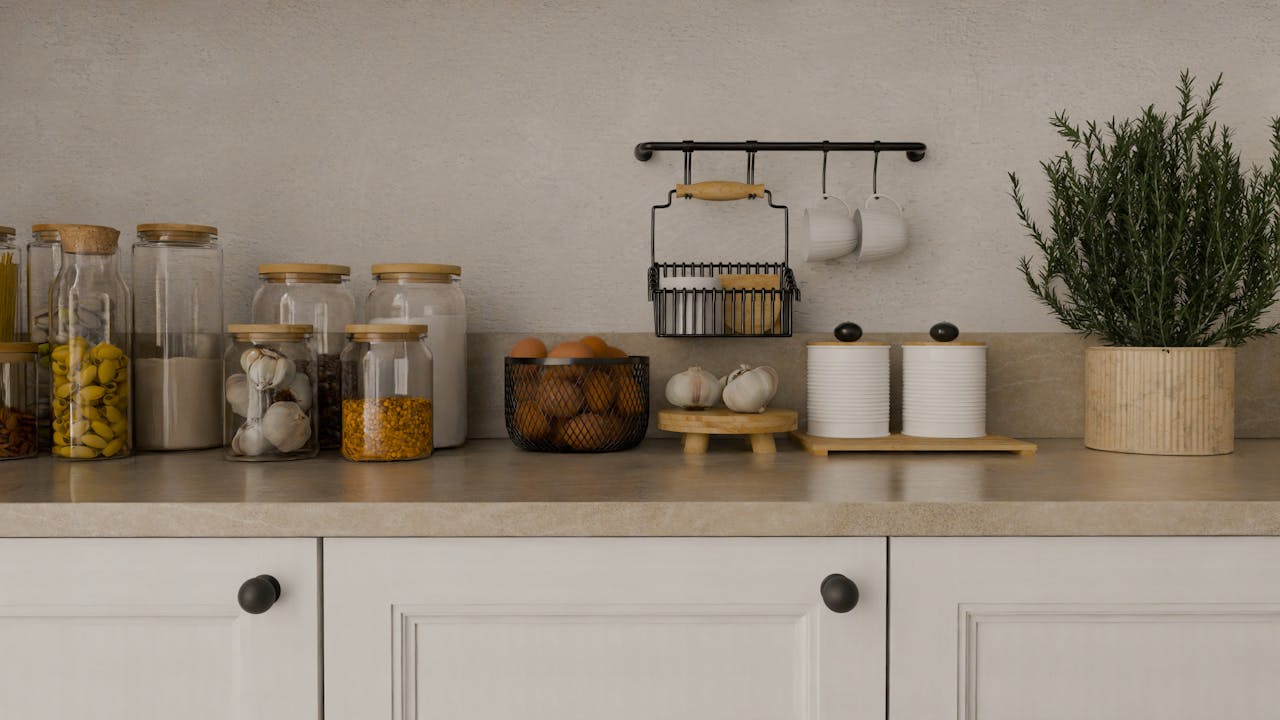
<point>1160,401</point>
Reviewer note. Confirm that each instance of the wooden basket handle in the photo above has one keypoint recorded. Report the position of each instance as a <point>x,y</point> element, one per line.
<point>720,190</point>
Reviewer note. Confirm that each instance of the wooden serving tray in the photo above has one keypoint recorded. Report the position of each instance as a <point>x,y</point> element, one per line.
<point>898,442</point>
<point>699,425</point>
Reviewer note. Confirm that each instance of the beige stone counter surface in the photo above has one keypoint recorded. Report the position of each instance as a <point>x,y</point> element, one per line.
<point>489,488</point>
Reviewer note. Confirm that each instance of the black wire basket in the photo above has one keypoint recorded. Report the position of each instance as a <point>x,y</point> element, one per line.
<point>576,405</point>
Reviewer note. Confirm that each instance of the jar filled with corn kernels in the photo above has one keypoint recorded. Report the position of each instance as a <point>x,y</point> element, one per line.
<point>386,393</point>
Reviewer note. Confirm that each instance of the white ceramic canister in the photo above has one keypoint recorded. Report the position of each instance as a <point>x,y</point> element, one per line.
<point>430,294</point>
<point>944,389</point>
<point>848,389</point>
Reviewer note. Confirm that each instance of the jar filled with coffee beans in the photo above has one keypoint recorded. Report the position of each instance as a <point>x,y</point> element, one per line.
<point>386,393</point>
<point>18,400</point>
<point>320,296</point>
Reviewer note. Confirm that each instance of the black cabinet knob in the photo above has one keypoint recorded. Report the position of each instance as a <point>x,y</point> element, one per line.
<point>839,593</point>
<point>258,594</point>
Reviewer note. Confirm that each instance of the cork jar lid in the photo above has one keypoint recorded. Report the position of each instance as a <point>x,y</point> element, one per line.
<point>414,269</point>
<point>269,331</point>
<point>177,232</point>
<point>386,331</point>
<point>87,239</point>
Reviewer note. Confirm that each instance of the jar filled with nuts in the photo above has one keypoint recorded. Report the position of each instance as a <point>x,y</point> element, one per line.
<point>316,295</point>
<point>18,400</point>
<point>90,340</point>
<point>386,393</point>
<point>270,388</point>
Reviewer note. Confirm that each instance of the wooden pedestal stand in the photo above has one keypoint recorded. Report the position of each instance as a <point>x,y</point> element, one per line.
<point>698,426</point>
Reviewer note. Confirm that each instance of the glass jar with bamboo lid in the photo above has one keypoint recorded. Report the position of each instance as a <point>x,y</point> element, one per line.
<point>10,285</point>
<point>270,387</point>
<point>386,393</point>
<point>177,336</point>
<point>318,295</point>
<point>90,338</point>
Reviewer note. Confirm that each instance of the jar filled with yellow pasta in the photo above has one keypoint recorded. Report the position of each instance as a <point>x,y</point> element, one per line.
<point>386,393</point>
<point>89,337</point>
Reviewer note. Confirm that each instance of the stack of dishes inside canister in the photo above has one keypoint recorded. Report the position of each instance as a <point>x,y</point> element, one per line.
<point>944,389</point>
<point>848,389</point>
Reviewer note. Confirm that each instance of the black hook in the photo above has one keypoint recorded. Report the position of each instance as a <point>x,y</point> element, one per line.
<point>875,166</point>
<point>688,166</point>
<point>824,167</point>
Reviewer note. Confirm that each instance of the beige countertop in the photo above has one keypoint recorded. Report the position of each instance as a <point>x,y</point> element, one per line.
<point>490,488</point>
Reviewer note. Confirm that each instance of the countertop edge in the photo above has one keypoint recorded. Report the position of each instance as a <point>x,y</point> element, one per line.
<point>644,519</point>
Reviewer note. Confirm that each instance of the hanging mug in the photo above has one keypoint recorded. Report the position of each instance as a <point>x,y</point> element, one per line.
<point>882,232</point>
<point>829,232</point>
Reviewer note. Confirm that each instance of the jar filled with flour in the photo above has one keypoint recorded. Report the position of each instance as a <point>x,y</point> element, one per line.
<point>430,294</point>
<point>177,337</point>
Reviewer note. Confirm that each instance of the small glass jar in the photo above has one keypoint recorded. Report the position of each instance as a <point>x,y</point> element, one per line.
<point>18,400</point>
<point>386,393</point>
<point>177,337</point>
<point>430,294</point>
<point>270,390</point>
<point>89,321</point>
<point>316,295</point>
<point>44,259</point>
<point>10,286</point>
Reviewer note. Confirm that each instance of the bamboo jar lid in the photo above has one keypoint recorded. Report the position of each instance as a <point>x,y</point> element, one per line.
<point>176,232</point>
<point>414,269</point>
<point>269,331</point>
<point>6,230</point>
<point>387,331</point>
<point>19,347</point>
<point>281,270</point>
<point>855,344</point>
<point>87,239</point>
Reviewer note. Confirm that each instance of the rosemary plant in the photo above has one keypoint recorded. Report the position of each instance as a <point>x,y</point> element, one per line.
<point>1157,236</point>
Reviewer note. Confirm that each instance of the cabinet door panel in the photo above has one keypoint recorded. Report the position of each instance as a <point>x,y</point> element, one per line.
<point>568,629</point>
<point>129,629</point>
<point>1103,628</point>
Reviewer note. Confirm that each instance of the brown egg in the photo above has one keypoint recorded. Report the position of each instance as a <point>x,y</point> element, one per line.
<point>600,391</point>
<point>531,423</point>
<point>559,398</point>
<point>631,400</point>
<point>529,347</point>
<point>612,352</point>
<point>597,345</point>
<point>585,432</point>
<point>619,371</point>
<point>571,350</point>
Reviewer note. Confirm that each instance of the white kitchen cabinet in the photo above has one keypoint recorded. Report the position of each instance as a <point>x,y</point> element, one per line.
<point>134,629</point>
<point>1097,628</point>
<point>590,628</point>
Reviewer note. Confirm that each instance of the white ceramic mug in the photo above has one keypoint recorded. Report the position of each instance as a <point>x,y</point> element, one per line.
<point>881,232</point>
<point>829,233</point>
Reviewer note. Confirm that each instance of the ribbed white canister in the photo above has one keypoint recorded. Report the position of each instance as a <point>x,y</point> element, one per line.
<point>848,389</point>
<point>944,389</point>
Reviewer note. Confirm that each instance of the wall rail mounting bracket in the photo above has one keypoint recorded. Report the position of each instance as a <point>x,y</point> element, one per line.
<point>914,150</point>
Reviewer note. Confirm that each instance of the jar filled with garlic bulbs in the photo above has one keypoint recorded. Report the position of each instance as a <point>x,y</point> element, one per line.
<point>270,388</point>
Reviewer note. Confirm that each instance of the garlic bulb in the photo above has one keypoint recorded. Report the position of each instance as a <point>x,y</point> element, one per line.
<point>237,389</point>
<point>748,389</point>
<point>270,370</point>
<point>693,389</point>
<point>299,391</point>
<point>248,356</point>
<point>249,440</point>
<point>286,426</point>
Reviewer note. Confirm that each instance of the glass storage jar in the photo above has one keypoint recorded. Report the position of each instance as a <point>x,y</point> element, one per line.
<point>10,286</point>
<point>270,392</point>
<point>316,295</point>
<point>18,400</point>
<point>386,393</point>
<point>177,337</point>
<point>422,293</point>
<point>89,333</point>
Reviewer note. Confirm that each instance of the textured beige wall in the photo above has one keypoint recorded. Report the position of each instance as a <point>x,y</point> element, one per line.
<point>498,135</point>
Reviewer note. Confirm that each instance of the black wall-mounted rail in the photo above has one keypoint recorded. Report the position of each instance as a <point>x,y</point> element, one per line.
<point>914,150</point>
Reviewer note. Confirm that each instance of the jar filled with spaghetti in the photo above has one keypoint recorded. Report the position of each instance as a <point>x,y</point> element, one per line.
<point>10,285</point>
<point>386,393</point>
